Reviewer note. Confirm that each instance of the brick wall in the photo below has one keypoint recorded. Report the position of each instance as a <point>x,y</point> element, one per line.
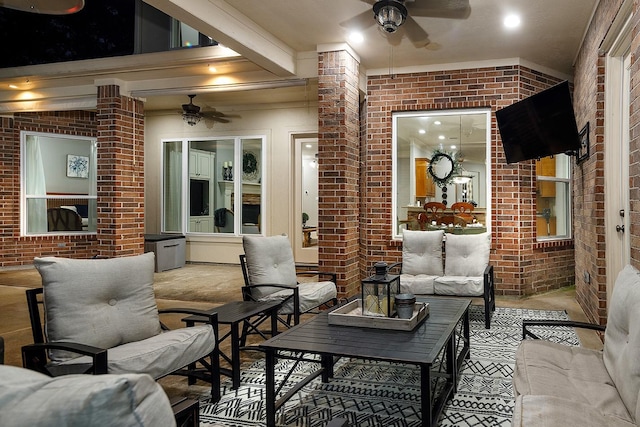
<point>522,266</point>
<point>120,181</point>
<point>589,176</point>
<point>339,168</point>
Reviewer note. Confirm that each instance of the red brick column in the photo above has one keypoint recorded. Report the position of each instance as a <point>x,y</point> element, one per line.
<point>338,166</point>
<point>120,173</point>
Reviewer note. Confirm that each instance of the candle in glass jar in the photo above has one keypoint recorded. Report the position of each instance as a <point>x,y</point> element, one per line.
<point>230,165</point>
<point>225,165</point>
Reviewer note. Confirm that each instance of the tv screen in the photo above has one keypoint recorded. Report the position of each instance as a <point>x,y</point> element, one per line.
<point>541,125</point>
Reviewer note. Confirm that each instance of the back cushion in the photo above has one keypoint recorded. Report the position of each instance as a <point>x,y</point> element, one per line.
<point>622,338</point>
<point>99,302</point>
<point>467,254</point>
<point>269,261</point>
<point>422,252</point>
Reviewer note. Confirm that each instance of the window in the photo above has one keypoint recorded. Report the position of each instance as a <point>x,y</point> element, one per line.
<point>553,214</point>
<point>59,184</point>
<point>463,135</point>
<point>215,188</point>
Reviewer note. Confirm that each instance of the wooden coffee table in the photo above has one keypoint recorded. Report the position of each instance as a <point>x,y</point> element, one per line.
<point>443,337</point>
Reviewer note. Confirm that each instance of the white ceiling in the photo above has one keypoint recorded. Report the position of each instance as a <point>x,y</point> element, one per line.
<point>278,39</point>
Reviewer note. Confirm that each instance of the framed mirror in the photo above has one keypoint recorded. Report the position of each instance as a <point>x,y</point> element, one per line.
<point>441,168</point>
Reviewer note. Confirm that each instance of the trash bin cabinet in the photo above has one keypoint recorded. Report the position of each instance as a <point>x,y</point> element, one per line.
<point>169,250</point>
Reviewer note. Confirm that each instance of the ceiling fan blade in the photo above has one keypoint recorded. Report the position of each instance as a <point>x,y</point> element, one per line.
<point>415,33</point>
<point>359,22</point>
<point>449,9</point>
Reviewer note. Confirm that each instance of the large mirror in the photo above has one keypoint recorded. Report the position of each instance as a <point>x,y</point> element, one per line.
<point>441,156</point>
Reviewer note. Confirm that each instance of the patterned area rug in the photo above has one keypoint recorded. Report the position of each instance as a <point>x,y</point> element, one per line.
<point>369,393</point>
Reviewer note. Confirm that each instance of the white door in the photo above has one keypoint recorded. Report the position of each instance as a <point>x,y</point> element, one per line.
<point>616,154</point>
<point>305,225</point>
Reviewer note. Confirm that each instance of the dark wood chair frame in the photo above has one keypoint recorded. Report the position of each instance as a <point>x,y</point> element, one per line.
<point>295,295</point>
<point>35,356</point>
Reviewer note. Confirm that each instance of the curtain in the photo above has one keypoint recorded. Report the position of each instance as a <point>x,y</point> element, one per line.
<point>35,187</point>
<point>173,186</point>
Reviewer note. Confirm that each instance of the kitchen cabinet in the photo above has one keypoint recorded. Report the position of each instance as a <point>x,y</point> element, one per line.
<point>200,164</point>
<point>425,185</point>
<point>201,224</point>
<point>546,167</point>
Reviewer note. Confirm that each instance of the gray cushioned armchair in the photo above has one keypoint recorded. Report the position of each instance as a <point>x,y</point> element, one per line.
<point>100,316</point>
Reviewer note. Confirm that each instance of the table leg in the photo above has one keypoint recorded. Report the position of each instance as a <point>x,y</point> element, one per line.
<point>452,362</point>
<point>270,386</point>
<point>425,395</point>
<point>235,355</point>
<point>274,321</point>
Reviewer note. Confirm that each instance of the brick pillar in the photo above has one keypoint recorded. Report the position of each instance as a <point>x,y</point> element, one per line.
<point>120,173</point>
<point>338,168</point>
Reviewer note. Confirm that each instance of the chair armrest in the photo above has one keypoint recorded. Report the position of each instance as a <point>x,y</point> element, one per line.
<point>394,266</point>
<point>318,273</point>
<point>567,323</point>
<point>34,355</point>
<point>211,315</point>
<point>246,295</point>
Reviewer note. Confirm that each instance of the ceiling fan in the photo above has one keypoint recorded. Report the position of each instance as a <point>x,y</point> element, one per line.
<point>393,15</point>
<point>191,114</point>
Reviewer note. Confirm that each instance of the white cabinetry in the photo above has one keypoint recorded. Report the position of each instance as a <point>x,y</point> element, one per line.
<point>200,164</point>
<point>201,224</point>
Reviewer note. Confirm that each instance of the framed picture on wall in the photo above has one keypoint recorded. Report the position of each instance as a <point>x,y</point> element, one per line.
<point>583,151</point>
<point>77,166</point>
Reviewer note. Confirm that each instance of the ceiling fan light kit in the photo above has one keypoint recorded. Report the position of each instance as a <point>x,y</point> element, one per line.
<point>390,14</point>
<point>191,112</point>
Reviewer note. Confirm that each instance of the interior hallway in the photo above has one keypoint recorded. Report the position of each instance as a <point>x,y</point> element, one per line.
<point>205,286</point>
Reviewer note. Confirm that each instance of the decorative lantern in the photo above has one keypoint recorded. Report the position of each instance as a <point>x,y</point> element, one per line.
<point>379,292</point>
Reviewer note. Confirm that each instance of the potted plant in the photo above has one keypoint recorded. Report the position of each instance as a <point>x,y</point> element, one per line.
<point>305,218</point>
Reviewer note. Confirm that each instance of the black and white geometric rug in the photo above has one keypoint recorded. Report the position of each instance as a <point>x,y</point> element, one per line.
<point>380,394</point>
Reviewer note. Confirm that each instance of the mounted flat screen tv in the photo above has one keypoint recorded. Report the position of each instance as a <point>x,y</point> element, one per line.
<point>541,125</point>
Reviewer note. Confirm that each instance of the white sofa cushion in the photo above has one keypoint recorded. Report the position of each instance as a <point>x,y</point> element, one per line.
<point>28,398</point>
<point>422,252</point>
<point>269,261</point>
<point>159,355</point>
<point>113,301</point>
<point>547,411</point>
<point>459,285</point>
<point>420,284</point>
<point>622,338</point>
<point>576,373</point>
<point>467,254</point>
<point>311,295</point>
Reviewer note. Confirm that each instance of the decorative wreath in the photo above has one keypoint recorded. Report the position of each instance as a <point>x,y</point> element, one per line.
<point>455,167</point>
<point>249,162</point>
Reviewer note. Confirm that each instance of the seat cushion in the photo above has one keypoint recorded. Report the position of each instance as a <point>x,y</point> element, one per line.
<point>269,261</point>
<point>99,302</point>
<point>28,398</point>
<point>159,355</point>
<point>622,338</point>
<point>459,285</point>
<point>420,284</point>
<point>311,294</point>
<point>467,254</point>
<point>562,371</point>
<point>552,411</point>
<point>422,252</point>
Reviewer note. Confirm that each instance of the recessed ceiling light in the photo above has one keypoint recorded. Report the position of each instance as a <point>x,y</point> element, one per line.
<point>356,37</point>
<point>422,131</point>
<point>437,122</point>
<point>511,21</point>
<point>441,137</point>
<point>12,86</point>
<point>212,69</point>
